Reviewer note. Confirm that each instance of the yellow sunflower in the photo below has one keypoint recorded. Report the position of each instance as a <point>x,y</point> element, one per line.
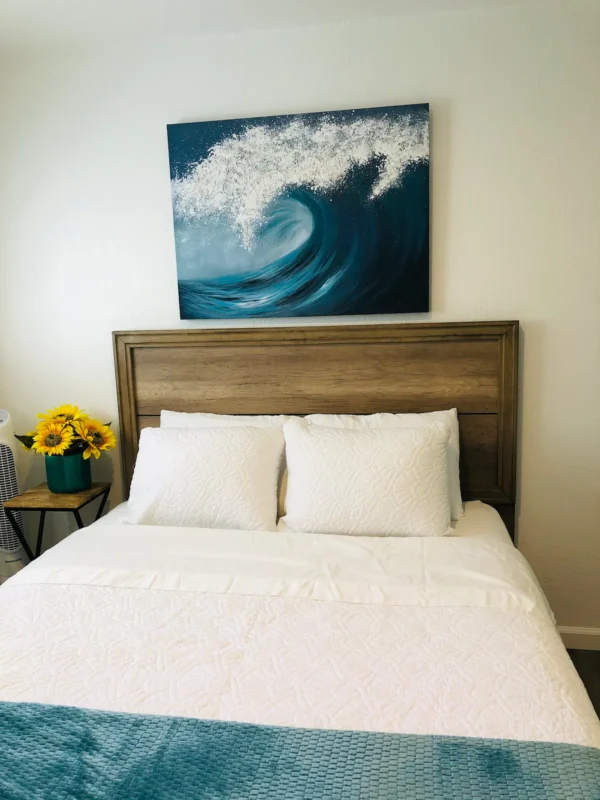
<point>52,438</point>
<point>66,413</point>
<point>99,437</point>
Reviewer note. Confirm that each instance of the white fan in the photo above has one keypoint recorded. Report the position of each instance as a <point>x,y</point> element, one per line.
<point>12,555</point>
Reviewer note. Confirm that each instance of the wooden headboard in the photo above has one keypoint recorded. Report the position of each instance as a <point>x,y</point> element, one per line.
<point>349,369</point>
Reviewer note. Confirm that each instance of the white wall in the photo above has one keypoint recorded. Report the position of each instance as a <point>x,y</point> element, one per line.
<point>86,243</point>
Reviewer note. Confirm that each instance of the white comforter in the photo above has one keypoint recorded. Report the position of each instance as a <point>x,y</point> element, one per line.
<point>446,636</point>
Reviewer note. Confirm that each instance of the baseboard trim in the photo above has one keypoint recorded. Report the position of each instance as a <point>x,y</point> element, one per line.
<point>580,638</point>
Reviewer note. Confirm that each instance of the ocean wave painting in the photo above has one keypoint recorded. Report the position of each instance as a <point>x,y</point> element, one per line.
<point>303,215</point>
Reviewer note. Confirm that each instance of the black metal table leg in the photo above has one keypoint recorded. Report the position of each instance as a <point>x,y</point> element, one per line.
<point>102,504</point>
<point>78,519</point>
<point>17,530</point>
<point>40,536</point>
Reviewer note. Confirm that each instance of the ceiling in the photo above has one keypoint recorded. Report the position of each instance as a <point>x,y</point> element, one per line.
<point>31,23</point>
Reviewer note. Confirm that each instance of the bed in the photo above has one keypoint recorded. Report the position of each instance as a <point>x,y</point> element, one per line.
<point>155,661</point>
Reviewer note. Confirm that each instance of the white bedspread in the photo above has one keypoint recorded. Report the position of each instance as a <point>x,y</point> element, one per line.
<point>447,636</point>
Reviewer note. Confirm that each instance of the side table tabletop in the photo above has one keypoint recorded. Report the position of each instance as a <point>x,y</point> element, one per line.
<point>42,499</point>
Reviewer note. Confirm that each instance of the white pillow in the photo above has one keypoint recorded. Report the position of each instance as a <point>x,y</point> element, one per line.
<point>449,418</point>
<point>207,478</point>
<point>184,419</point>
<point>370,482</point>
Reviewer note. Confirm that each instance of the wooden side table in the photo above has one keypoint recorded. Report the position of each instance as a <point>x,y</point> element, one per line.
<point>42,499</point>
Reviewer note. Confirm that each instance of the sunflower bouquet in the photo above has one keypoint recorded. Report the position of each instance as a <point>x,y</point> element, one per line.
<point>66,431</point>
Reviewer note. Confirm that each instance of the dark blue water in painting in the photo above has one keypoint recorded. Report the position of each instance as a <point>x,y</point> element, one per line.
<point>317,252</point>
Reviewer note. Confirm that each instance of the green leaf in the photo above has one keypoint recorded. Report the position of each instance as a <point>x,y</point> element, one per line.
<point>78,446</point>
<point>26,440</point>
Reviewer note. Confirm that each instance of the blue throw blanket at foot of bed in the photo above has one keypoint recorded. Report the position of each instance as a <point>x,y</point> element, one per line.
<point>55,752</point>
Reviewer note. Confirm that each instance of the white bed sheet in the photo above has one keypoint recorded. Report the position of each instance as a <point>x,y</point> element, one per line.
<point>440,636</point>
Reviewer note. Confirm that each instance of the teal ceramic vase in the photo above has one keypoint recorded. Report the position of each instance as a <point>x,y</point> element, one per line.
<point>67,474</point>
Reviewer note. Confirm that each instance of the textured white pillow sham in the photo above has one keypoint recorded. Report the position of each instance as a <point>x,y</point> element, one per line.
<point>449,418</point>
<point>198,419</point>
<point>370,482</point>
<point>207,478</point>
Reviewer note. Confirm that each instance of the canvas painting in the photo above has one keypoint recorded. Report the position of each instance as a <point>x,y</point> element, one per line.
<point>303,215</point>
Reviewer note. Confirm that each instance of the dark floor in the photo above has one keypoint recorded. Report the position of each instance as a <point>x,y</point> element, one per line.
<point>587,664</point>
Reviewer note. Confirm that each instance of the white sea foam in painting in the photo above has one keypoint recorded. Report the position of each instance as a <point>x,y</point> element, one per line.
<point>245,173</point>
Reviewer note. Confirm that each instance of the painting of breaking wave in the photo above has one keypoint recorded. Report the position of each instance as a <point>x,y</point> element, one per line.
<point>303,215</point>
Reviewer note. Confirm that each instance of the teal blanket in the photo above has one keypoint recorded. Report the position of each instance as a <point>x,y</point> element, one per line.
<point>58,752</point>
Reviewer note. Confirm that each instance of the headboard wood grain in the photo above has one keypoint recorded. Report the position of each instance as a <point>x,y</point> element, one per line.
<point>347,369</point>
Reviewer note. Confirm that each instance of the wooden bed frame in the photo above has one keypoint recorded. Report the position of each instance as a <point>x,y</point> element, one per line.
<point>347,369</point>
